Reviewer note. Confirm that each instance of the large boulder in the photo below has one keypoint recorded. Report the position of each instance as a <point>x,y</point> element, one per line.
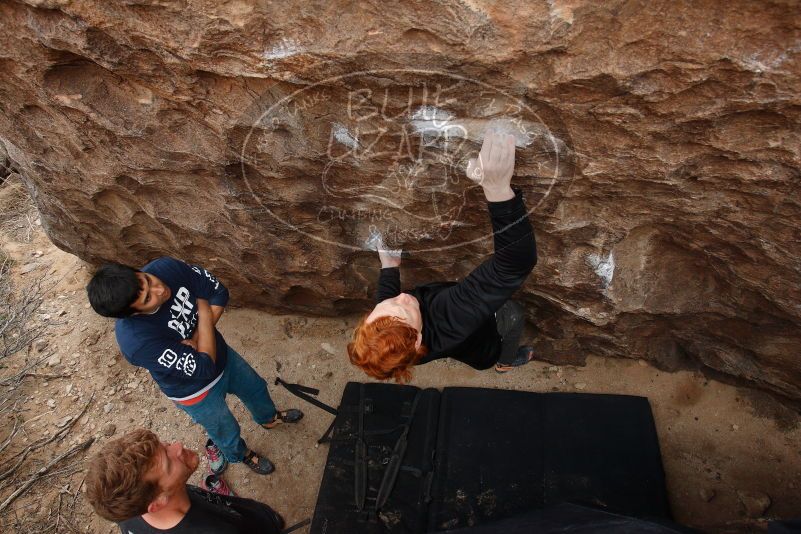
<point>658,149</point>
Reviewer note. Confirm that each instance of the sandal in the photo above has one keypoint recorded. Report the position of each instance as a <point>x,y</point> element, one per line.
<point>259,464</point>
<point>287,416</point>
<point>524,355</point>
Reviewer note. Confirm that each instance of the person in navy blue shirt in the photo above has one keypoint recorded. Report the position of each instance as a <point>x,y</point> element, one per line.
<point>166,322</point>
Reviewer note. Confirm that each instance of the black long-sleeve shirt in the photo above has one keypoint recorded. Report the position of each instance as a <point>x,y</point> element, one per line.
<point>459,318</point>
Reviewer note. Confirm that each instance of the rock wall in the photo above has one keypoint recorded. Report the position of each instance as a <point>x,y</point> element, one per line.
<point>658,148</point>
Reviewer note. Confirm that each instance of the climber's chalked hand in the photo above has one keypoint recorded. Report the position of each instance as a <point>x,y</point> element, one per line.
<point>494,166</point>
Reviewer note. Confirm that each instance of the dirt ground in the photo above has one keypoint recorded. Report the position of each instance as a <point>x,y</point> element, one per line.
<point>716,439</point>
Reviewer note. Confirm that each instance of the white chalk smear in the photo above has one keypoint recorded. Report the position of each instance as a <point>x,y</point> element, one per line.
<point>342,135</point>
<point>432,122</point>
<point>375,241</point>
<point>285,48</point>
<point>557,9</point>
<point>429,121</point>
<point>522,133</point>
<point>431,113</point>
<point>769,60</point>
<point>604,268</point>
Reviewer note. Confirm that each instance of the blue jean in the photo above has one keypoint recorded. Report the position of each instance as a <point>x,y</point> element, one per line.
<point>213,414</point>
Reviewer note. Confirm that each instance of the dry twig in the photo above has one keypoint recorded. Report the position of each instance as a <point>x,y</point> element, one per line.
<point>17,309</point>
<point>13,433</point>
<point>43,471</point>
<point>14,380</point>
<point>18,214</point>
<point>42,442</point>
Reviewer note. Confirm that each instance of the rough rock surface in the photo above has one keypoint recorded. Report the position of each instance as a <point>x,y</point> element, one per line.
<point>659,150</point>
<point>755,503</point>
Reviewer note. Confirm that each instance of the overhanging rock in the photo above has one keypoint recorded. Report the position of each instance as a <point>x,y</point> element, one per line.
<point>658,149</point>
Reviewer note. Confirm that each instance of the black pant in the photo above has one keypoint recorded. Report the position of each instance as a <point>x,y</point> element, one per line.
<point>510,319</point>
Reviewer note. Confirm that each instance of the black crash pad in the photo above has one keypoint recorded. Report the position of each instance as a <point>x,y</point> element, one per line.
<point>476,456</point>
<point>574,519</point>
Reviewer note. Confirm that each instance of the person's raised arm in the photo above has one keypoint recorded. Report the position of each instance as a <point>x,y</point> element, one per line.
<point>515,252</point>
<point>389,277</point>
<point>468,304</point>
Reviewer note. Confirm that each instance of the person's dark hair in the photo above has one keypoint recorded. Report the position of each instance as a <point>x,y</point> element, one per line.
<point>113,289</point>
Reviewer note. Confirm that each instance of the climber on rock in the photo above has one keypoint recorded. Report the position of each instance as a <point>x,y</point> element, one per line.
<point>166,322</point>
<point>473,321</point>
